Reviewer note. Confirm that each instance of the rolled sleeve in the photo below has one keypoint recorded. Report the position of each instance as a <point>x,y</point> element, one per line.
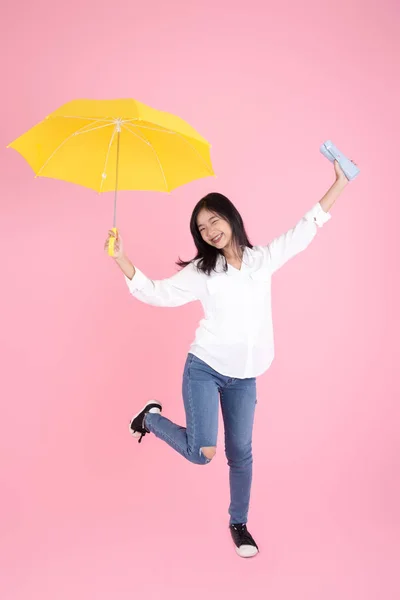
<point>138,281</point>
<point>294,241</point>
<point>317,215</point>
<point>173,291</point>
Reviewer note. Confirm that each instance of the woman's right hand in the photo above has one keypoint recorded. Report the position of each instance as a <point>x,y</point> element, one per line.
<point>118,245</point>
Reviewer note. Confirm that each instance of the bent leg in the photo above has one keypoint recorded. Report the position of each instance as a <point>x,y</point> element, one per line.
<point>197,441</point>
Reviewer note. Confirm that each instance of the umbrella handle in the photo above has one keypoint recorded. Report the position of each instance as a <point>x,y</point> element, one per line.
<point>111,243</point>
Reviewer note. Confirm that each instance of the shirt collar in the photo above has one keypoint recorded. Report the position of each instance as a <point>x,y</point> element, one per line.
<point>248,260</point>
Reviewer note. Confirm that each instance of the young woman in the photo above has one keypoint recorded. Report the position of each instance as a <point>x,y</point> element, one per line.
<point>234,342</point>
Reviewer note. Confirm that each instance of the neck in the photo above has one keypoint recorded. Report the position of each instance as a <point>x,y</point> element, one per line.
<point>232,253</point>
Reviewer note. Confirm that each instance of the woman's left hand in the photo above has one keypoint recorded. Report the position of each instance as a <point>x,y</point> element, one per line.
<point>340,176</point>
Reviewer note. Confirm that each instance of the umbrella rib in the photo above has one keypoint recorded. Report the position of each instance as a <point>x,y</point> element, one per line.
<point>163,130</point>
<point>107,157</point>
<point>94,129</point>
<point>85,118</point>
<point>58,148</point>
<point>160,129</point>
<point>154,150</point>
<point>197,152</point>
<point>145,140</point>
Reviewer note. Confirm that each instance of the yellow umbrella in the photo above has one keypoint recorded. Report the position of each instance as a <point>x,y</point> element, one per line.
<point>115,145</point>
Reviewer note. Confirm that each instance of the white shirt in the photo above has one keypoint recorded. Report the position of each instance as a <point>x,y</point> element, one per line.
<point>235,337</point>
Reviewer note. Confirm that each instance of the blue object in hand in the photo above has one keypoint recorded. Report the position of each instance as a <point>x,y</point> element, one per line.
<point>329,150</point>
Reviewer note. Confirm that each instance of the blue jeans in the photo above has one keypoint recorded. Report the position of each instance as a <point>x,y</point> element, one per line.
<point>202,389</point>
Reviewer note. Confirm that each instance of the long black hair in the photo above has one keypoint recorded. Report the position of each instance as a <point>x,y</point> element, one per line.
<point>208,255</point>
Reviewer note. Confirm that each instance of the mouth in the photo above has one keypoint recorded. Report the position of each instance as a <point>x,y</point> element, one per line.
<point>217,239</point>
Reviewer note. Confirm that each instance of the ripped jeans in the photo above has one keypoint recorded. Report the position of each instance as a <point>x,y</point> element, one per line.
<point>202,390</point>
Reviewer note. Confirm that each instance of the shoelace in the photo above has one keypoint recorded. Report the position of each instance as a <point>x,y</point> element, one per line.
<point>142,431</point>
<point>245,537</point>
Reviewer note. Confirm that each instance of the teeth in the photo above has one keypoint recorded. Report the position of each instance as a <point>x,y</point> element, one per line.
<point>217,238</point>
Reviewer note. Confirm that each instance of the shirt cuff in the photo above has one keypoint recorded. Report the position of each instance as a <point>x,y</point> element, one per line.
<point>317,215</point>
<point>138,281</point>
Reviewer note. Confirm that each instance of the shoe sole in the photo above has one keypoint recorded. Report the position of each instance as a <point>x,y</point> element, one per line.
<point>136,434</point>
<point>247,551</point>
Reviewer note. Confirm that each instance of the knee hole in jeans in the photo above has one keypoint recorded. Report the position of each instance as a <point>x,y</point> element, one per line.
<point>208,451</point>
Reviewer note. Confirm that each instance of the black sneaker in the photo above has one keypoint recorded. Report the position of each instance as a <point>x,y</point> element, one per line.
<point>245,545</point>
<point>136,426</point>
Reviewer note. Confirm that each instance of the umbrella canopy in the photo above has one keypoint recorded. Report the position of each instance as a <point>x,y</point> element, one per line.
<point>115,145</point>
<point>83,141</point>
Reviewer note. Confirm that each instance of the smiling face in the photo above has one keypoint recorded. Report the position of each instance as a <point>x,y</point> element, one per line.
<point>214,230</point>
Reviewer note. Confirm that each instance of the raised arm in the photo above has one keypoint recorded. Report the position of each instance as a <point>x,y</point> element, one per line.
<point>287,245</point>
<point>284,247</point>
<point>177,290</point>
<point>174,291</point>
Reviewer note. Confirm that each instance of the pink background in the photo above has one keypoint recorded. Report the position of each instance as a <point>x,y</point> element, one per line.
<point>85,511</point>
